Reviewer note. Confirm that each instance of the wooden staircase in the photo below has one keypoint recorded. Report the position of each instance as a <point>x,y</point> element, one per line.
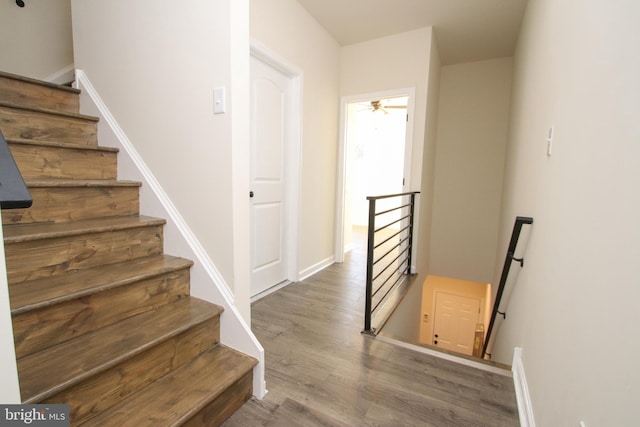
<point>102,318</point>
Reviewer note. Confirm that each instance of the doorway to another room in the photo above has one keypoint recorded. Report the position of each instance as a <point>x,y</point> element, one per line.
<point>375,156</point>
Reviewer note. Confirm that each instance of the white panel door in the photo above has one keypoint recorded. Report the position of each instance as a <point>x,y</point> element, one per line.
<point>455,322</point>
<point>270,104</point>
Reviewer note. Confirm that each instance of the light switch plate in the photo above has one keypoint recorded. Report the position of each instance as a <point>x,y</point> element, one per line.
<point>219,101</point>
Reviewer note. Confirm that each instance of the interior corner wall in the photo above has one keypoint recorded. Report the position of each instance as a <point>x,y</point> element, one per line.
<point>35,40</point>
<point>576,68</point>
<point>288,30</point>
<point>405,323</point>
<point>428,165</point>
<point>155,65</point>
<point>473,122</point>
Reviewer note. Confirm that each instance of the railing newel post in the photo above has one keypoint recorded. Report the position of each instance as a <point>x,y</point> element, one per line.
<point>370,244</point>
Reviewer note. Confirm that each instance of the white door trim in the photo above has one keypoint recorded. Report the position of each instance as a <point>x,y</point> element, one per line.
<point>342,155</point>
<point>291,154</point>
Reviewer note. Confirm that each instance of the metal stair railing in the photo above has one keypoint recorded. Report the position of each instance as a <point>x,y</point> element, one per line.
<point>389,251</point>
<point>510,257</point>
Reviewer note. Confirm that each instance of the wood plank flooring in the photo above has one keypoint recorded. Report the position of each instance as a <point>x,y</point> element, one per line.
<point>321,371</point>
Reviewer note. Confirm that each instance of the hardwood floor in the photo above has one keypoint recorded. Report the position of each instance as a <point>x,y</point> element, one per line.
<point>321,371</point>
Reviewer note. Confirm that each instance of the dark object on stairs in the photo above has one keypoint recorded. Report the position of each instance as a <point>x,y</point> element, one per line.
<point>14,193</point>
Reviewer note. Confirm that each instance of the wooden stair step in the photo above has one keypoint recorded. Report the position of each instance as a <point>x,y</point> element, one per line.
<point>41,293</point>
<point>56,369</point>
<point>46,249</point>
<point>17,121</point>
<point>188,396</point>
<point>105,388</point>
<point>36,93</point>
<point>59,200</point>
<point>50,311</point>
<point>49,159</point>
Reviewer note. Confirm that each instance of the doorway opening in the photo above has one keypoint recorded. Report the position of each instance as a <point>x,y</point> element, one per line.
<point>375,156</point>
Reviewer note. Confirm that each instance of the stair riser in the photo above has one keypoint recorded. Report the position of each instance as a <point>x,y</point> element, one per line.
<point>216,412</point>
<point>45,258</point>
<point>37,96</point>
<point>64,204</point>
<point>18,123</point>
<point>104,390</point>
<point>37,162</point>
<point>40,329</point>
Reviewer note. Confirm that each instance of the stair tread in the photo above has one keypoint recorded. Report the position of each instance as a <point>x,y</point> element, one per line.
<point>49,111</point>
<point>45,292</point>
<point>161,404</point>
<point>52,370</point>
<point>16,233</point>
<point>63,182</point>
<point>38,82</point>
<point>59,144</point>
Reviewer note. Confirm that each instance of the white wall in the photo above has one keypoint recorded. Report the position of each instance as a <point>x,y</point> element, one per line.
<point>472,135</point>
<point>405,322</point>
<point>155,64</point>
<point>10,387</point>
<point>427,180</point>
<point>287,29</point>
<point>35,40</point>
<point>389,63</point>
<point>574,309</point>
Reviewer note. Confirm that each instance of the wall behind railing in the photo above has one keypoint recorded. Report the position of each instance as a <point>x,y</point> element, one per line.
<point>574,309</point>
<point>35,40</point>
<point>472,137</point>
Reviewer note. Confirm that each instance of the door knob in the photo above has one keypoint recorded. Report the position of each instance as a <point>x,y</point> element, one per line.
<point>250,193</point>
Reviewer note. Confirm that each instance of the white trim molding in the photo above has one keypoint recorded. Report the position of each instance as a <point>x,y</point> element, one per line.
<point>10,389</point>
<point>62,76</point>
<point>319,266</point>
<point>525,408</point>
<point>206,282</point>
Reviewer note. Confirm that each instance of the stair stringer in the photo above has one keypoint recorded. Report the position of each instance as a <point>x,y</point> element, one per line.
<point>206,282</point>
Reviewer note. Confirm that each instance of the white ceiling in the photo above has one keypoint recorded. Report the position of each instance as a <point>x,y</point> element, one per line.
<point>466,30</point>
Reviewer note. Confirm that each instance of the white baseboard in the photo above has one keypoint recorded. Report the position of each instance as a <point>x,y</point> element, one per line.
<point>525,408</point>
<point>310,271</point>
<point>62,76</point>
<point>446,356</point>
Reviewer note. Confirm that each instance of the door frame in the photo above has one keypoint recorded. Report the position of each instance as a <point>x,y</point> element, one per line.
<point>292,151</point>
<point>341,178</point>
